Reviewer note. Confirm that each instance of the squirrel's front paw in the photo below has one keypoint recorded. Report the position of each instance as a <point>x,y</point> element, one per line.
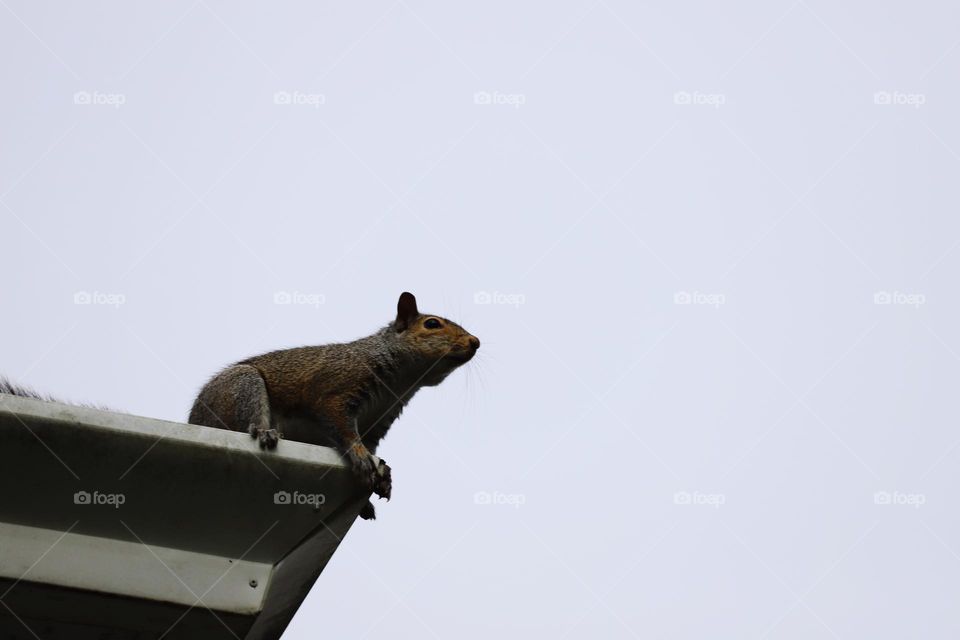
<point>268,437</point>
<point>384,482</point>
<point>363,465</point>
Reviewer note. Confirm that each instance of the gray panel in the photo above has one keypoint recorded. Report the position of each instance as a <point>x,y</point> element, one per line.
<point>124,525</point>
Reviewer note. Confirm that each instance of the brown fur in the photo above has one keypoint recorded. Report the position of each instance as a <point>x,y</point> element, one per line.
<point>341,395</point>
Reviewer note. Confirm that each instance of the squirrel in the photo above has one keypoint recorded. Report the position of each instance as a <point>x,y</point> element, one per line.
<point>343,395</point>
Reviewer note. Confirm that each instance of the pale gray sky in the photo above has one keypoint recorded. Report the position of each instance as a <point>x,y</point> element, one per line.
<point>716,393</point>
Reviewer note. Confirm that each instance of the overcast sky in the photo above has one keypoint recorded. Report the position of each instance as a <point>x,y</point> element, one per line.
<point>710,250</point>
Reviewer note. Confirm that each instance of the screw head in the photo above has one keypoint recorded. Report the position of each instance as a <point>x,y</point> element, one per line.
<point>253,584</point>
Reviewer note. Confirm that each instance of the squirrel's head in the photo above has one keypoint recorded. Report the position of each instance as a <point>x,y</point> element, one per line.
<point>444,345</point>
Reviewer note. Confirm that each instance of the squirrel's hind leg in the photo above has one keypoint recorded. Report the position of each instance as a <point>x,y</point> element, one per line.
<point>251,405</point>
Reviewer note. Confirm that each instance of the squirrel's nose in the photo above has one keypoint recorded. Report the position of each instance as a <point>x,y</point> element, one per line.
<point>474,343</point>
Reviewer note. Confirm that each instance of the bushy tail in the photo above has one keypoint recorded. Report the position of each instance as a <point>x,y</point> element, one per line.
<point>25,392</point>
<point>13,389</point>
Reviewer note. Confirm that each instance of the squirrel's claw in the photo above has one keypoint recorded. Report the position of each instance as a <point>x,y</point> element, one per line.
<point>383,485</point>
<point>374,475</point>
<point>268,437</point>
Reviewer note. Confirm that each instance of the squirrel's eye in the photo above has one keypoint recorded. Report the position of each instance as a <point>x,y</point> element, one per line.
<point>431,323</point>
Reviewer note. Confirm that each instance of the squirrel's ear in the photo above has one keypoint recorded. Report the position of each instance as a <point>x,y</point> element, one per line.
<point>406,311</point>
